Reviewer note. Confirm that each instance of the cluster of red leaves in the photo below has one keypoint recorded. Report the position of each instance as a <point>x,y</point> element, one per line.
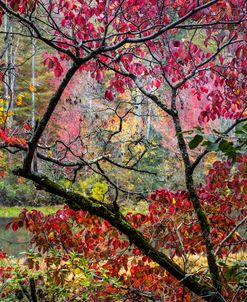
<point>87,20</point>
<point>22,5</point>
<point>135,10</point>
<point>102,245</point>
<point>54,64</point>
<point>228,99</point>
<point>176,59</point>
<point>5,272</point>
<point>10,139</point>
<point>222,198</point>
<point>170,224</point>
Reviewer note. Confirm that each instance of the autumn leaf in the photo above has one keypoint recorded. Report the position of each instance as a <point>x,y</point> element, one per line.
<point>32,88</point>
<point>195,141</point>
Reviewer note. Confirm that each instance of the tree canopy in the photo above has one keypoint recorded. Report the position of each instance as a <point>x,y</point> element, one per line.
<point>183,61</point>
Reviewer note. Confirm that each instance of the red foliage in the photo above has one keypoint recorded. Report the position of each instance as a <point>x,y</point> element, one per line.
<point>170,224</point>
<point>10,139</point>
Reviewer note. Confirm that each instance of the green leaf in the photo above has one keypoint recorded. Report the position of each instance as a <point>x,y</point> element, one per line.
<point>229,273</point>
<point>241,128</point>
<point>227,148</point>
<point>195,141</point>
<point>221,263</point>
<point>224,146</point>
<point>198,128</point>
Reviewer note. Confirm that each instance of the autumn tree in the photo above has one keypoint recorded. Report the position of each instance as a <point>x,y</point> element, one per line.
<point>170,52</point>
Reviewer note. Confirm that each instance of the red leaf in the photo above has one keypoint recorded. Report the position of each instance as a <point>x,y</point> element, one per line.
<point>80,20</point>
<point>49,62</point>
<point>1,73</point>
<point>109,95</point>
<point>58,71</point>
<point>99,75</point>
<point>27,127</point>
<point>115,244</point>
<point>157,83</point>
<point>8,226</point>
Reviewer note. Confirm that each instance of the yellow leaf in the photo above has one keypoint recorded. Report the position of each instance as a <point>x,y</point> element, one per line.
<point>237,91</point>
<point>32,88</point>
<point>173,200</point>
<point>19,100</point>
<point>51,235</point>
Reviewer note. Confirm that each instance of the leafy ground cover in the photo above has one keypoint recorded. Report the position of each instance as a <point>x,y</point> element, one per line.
<point>75,279</point>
